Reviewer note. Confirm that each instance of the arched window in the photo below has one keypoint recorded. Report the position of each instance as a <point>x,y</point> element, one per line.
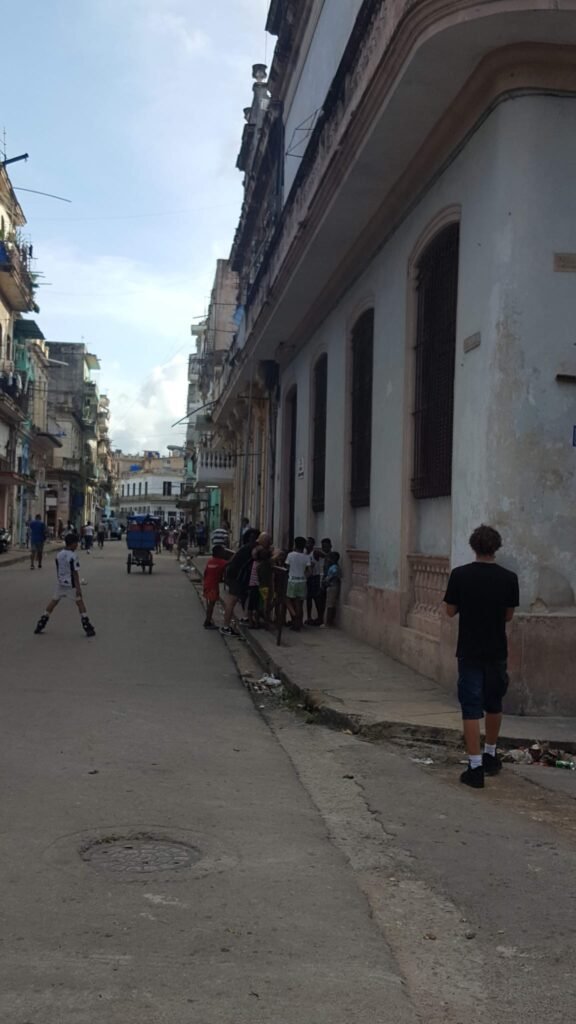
<point>437,289</point>
<point>362,363</point>
<point>320,385</point>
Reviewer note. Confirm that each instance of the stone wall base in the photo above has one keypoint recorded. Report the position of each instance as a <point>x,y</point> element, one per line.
<point>542,657</point>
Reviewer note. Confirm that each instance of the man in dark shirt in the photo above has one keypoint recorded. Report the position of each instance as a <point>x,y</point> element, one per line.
<point>484,595</point>
<point>237,578</point>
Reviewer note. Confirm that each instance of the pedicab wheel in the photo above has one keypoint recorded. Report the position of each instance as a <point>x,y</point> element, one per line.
<point>129,564</point>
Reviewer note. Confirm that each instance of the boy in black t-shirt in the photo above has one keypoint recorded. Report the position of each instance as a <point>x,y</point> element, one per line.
<point>484,595</point>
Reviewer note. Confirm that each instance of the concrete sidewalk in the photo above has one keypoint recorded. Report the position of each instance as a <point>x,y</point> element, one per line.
<point>18,554</point>
<point>351,685</point>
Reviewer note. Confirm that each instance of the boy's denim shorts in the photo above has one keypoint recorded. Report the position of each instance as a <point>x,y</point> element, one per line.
<point>481,687</point>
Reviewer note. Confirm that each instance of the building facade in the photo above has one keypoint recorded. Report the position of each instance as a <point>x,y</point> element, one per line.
<point>149,485</point>
<point>215,458</point>
<point>72,491</point>
<point>17,287</point>
<point>405,257</point>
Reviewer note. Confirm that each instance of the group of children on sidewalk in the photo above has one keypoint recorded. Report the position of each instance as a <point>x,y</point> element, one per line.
<point>314,577</point>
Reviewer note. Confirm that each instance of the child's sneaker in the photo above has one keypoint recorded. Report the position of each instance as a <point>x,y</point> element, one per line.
<point>42,623</point>
<point>87,626</point>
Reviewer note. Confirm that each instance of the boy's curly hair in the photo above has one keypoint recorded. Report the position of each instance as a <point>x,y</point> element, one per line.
<point>485,540</point>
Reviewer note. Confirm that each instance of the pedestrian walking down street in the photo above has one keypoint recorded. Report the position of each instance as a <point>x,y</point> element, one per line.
<point>484,596</point>
<point>67,585</point>
<point>183,538</point>
<point>213,576</point>
<point>101,535</point>
<point>200,536</point>
<point>38,534</point>
<point>88,535</point>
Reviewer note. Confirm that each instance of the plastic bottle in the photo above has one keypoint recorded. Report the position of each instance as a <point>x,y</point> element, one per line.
<point>571,765</point>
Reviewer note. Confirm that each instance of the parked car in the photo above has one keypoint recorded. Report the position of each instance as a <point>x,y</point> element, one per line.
<point>114,529</point>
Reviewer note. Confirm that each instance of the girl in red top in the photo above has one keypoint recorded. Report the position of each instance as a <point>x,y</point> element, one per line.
<point>213,576</point>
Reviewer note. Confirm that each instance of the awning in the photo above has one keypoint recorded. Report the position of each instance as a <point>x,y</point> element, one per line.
<point>27,329</point>
<point>8,476</point>
<point>45,441</point>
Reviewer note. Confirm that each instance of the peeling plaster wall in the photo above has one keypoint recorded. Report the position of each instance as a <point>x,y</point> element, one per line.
<point>513,463</point>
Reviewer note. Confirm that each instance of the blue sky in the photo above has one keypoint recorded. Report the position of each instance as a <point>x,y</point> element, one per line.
<point>133,110</point>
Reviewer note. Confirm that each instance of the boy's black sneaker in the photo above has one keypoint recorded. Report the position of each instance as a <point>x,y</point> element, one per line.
<point>473,777</point>
<point>228,631</point>
<point>87,626</point>
<point>42,623</point>
<point>491,764</point>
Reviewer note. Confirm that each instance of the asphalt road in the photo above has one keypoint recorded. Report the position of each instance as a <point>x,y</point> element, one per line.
<point>160,858</point>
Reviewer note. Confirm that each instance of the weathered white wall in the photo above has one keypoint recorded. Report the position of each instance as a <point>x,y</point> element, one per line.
<point>513,462</point>
<point>314,77</point>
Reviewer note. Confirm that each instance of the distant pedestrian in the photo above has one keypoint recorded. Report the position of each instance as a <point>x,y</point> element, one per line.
<point>200,536</point>
<point>245,529</point>
<point>170,540</point>
<point>67,585</point>
<point>101,534</point>
<point>484,596</point>
<point>88,534</point>
<point>265,579</point>
<point>182,540</point>
<point>38,536</point>
<point>213,576</point>
<point>331,585</point>
<point>298,562</point>
<point>221,536</point>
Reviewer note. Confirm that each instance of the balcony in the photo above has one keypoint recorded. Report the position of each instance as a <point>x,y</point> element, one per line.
<point>16,283</point>
<point>215,468</point>
<point>69,466</point>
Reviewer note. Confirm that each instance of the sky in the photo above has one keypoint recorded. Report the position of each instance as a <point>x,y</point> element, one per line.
<point>133,109</point>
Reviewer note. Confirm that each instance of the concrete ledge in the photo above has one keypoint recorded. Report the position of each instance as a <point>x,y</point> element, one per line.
<point>516,732</point>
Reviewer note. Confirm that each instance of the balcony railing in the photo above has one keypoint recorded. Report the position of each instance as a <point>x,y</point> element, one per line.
<point>215,467</point>
<point>16,283</point>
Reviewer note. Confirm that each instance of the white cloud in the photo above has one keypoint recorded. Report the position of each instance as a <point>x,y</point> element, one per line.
<point>146,421</point>
<point>159,302</point>
<point>138,318</point>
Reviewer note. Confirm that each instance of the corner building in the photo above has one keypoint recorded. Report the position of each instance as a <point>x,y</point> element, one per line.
<point>407,260</point>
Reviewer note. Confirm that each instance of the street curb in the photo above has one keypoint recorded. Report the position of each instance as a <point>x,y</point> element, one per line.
<point>343,721</point>
<point>334,718</point>
<point>23,556</point>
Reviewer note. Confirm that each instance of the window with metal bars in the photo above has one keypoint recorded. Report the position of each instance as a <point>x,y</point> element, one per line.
<point>320,385</point>
<point>437,294</point>
<point>362,364</point>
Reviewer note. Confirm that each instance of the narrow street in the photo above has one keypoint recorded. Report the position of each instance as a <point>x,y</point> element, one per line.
<point>171,852</point>
<point>147,730</point>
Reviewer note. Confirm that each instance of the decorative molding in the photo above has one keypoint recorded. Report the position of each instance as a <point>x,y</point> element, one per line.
<point>428,580</point>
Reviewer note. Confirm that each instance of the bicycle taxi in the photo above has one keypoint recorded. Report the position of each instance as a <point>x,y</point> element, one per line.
<point>141,541</point>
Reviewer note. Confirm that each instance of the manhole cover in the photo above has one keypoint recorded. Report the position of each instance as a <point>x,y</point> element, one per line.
<point>141,853</point>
